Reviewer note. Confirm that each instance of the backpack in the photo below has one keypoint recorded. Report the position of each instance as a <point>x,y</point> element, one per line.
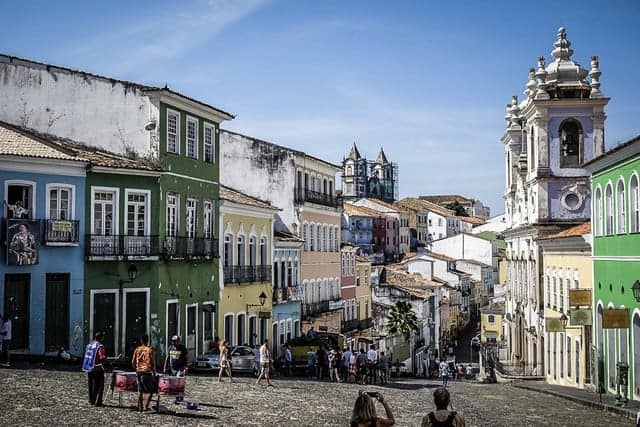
<point>446,423</point>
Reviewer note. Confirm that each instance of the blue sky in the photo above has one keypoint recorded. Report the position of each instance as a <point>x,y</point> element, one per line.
<point>428,80</point>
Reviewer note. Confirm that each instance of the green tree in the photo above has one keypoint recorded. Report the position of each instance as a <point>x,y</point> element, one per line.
<point>402,320</point>
<point>457,208</point>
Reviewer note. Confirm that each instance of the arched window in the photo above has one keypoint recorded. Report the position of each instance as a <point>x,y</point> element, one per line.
<point>228,250</point>
<point>336,244</point>
<point>325,238</point>
<point>349,170</point>
<point>577,356</point>
<point>241,329</point>
<point>532,150</point>
<point>241,251</point>
<point>634,204</point>
<point>318,237</point>
<point>305,235</point>
<point>608,211</point>
<point>570,144</point>
<point>621,206</point>
<point>312,237</point>
<point>253,251</point>
<point>264,257</point>
<point>598,212</point>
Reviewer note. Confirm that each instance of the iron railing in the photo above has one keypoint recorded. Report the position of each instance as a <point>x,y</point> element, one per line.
<point>285,294</point>
<point>190,247</point>
<point>357,324</point>
<point>247,274</point>
<point>315,308</point>
<point>61,231</point>
<point>122,246</point>
<point>304,195</point>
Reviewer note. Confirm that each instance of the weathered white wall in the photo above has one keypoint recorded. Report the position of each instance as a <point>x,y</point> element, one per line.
<point>262,170</point>
<point>465,246</point>
<point>496,224</point>
<point>97,111</point>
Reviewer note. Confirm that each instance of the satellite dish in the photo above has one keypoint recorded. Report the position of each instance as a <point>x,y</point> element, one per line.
<point>150,125</point>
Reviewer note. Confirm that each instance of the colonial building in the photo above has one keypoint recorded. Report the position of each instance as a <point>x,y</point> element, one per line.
<point>357,227</point>
<point>471,206</point>
<point>42,189</point>
<point>246,295</point>
<point>390,210</point>
<point>615,181</point>
<point>362,178</point>
<point>556,128</point>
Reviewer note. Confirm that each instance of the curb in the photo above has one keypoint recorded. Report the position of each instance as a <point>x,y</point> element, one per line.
<point>626,413</point>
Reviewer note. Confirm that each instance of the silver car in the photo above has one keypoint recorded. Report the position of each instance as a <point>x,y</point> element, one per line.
<point>242,360</point>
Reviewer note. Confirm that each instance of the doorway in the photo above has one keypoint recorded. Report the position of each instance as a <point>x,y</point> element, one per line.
<point>191,338</point>
<point>136,318</point>
<point>17,289</point>
<point>56,329</point>
<point>104,307</point>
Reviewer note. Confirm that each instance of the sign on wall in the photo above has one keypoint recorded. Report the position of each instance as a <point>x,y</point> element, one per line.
<point>23,236</point>
<point>615,318</point>
<point>580,297</point>
<point>553,324</point>
<point>580,317</point>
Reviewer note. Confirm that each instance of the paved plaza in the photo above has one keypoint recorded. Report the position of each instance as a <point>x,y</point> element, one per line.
<point>41,397</point>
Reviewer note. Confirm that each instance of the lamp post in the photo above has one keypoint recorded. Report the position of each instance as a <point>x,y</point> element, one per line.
<point>262,297</point>
<point>564,320</point>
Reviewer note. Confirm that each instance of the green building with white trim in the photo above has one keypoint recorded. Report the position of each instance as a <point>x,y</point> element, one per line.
<point>615,220</point>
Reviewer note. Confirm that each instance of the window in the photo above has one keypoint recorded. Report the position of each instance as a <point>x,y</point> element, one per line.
<point>577,356</point>
<point>491,318</point>
<point>241,329</point>
<point>570,144</point>
<point>173,132</point>
<point>207,209</point>
<point>568,357</point>
<point>104,209</point>
<point>561,304</point>
<point>20,201</point>
<point>252,331</point>
<point>192,137</point>
<point>192,212</point>
<point>548,298</point>
<point>252,251</point>
<point>561,355</point>
<point>608,210</point>
<point>264,260</point>
<point>598,213</point>
<point>621,207</point>
<point>241,251</point>
<point>555,293</point>
<point>228,328</point>
<point>312,237</point>
<point>172,215</point>
<point>137,213</point>
<point>305,235</point>
<point>60,203</point>
<point>209,143</point>
<point>634,204</point>
<point>228,250</point>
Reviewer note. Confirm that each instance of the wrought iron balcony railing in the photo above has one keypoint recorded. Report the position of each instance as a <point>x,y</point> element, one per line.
<point>61,231</point>
<point>357,324</point>
<point>190,247</point>
<point>304,195</point>
<point>247,274</point>
<point>287,294</point>
<point>122,246</point>
<point>315,308</point>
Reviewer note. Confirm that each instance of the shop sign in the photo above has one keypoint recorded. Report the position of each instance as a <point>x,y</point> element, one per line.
<point>580,297</point>
<point>264,314</point>
<point>580,317</point>
<point>553,324</point>
<point>615,318</point>
<point>60,226</point>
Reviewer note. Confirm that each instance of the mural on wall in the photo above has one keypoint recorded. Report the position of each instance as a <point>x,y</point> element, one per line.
<point>22,238</point>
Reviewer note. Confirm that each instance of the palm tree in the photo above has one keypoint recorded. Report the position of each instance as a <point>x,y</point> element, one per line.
<point>402,320</point>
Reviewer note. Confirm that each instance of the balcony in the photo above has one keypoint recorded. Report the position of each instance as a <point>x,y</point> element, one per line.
<point>122,246</point>
<point>247,274</point>
<point>303,195</point>
<point>356,324</point>
<point>190,248</point>
<point>315,308</point>
<point>61,232</point>
<point>283,295</point>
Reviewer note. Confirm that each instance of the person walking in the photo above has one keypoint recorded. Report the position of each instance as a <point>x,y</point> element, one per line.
<point>177,360</point>
<point>265,363</point>
<point>362,366</point>
<point>372,364</point>
<point>364,411</point>
<point>225,361</point>
<point>383,368</point>
<point>333,366</point>
<point>346,358</point>
<point>7,327</point>
<point>143,361</point>
<point>288,360</point>
<point>442,417</point>
<point>94,356</point>
<point>444,373</point>
<point>353,369</point>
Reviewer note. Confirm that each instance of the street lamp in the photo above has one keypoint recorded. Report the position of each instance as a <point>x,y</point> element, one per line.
<point>636,290</point>
<point>262,297</point>
<point>563,321</point>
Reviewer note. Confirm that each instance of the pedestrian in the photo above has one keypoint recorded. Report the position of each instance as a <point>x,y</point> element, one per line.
<point>215,346</point>
<point>177,360</point>
<point>94,355</point>
<point>7,328</point>
<point>444,373</point>
<point>372,361</point>
<point>143,361</point>
<point>333,366</point>
<point>321,358</point>
<point>383,368</point>
<point>225,361</point>
<point>442,417</point>
<point>346,358</point>
<point>362,366</point>
<point>469,372</point>
<point>364,411</point>
<point>311,333</point>
<point>460,371</point>
<point>353,369</point>
<point>288,360</point>
<point>265,362</point>
<point>312,361</point>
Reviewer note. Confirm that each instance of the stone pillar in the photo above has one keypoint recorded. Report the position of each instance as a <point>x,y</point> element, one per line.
<point>543,167</point>
<point>598,133</point>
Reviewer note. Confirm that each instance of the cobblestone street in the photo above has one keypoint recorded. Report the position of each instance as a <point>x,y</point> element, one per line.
<point>39,397</point>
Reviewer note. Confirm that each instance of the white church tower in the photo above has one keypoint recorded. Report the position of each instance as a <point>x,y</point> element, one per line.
<point>558,126</point>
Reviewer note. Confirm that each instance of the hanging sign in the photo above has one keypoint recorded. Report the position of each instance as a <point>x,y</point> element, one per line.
<point>264,314</point>
<point>580,317</point>
<point>615,318</point>
<point>553,324</point>
<point>580,297</point>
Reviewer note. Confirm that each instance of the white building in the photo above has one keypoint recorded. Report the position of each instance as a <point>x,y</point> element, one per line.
<point>557,127</point>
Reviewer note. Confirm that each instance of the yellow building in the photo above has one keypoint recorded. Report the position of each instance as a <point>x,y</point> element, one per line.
<point>566,266</point>
<point>246,230</point>
<point>491,324</point>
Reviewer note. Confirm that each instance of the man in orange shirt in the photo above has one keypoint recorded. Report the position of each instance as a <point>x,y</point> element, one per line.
<point>143,361</point>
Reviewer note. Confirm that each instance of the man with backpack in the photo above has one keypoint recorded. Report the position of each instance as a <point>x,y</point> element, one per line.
<point>442,417</point>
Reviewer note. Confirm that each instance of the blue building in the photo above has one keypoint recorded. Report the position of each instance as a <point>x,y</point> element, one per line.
<point>42,189</point>
<point>357,226</point>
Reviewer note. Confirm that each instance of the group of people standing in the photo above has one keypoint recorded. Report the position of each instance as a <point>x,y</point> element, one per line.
<point>363,367</point>
<point>459,371</point>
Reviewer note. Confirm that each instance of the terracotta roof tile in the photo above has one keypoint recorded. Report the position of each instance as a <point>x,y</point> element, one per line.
<point>351,209</point>
<point>445,199</point>
<point>472,220</point>
<point>16,142</point>
<point>235,196</point>
<point>419,204</point>
<point>574,231</point>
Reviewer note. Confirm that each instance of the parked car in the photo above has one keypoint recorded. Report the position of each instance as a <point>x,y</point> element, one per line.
<point>242,360</point>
